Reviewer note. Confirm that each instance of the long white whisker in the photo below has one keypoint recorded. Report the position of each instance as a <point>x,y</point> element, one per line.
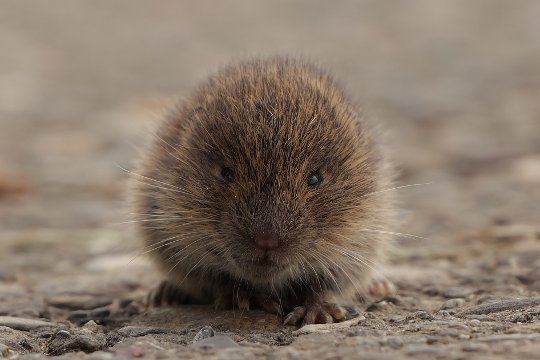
<point>395,188</point>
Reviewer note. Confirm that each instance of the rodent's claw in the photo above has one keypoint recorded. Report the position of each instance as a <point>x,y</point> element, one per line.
<point>295,316</point>
<point>244,300</point>
<point>325,313</point>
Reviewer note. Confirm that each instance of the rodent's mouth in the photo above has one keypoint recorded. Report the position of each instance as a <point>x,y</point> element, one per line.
<point>262,268</point>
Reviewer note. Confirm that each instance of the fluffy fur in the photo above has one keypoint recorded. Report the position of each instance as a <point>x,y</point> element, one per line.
<point>233,162</point>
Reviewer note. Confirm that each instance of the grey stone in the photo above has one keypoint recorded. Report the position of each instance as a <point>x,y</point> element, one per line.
<point>394,342</point>
<point>78,302</point>
<point>23,324</point>
<point>500,306</point>
<point>216,342</point>
<point>420,315</point>
<point>509,337</point>
<point>136,331</point>
<point>286,354</point>
<point>453,303</point>
<point>429,350</point>
<point>456,292</point>
<point>65,342</point>
<point>81,317</point>
<point>4,350</point>
<point>326,328</point>
<point>480,317</point>
<point>205,333</point>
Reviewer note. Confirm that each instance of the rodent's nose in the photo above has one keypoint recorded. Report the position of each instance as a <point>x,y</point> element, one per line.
<point>266,240</point>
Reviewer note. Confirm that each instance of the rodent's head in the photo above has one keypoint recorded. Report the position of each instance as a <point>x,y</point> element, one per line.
<point>264,172</point>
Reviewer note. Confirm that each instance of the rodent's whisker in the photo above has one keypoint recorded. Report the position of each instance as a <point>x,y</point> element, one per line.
<point>171,240</point>
<point>151,220</point>
<point>354,228</point>
<point>192,268</point>
<point>362,260</point>
<point>148,178</point>
<point>171,187</point>
<point>395,188</point>
<point>191,164</point>
<point>167,242</point>
<point>326,268</point>
<point>189,254</point>
<point>165,188</point>
<point>162,213</point>
<point>410,236</point>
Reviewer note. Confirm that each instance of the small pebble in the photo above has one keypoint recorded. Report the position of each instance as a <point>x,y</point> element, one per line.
<point>63,334</point>
<point>456,292</point>
<point>78,302</point>
<point>25,344</point>
<point>419,315</point>
<point>431,351</point>
<point>453,303</point>
<point>444,313</point>
<point>282,339</point>
<point>520,318</point>
<point>62,344</point>
<point>4,350</point>
<point>205,333</point>
<point>509,337</point>
<point>216,342</point>
<point>81,317</point>
<point>394,342</point>
<point>92,326</point>
<point>480,318</point>
<point>136,331</point>
<point>327,328</point>
<point>356,332</point>
<point>22,323</point>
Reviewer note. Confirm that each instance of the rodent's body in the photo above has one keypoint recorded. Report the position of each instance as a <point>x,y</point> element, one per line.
<point>265,188</point>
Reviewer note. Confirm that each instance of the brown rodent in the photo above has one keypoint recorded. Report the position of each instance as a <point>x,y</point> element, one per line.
<point>265,189</point>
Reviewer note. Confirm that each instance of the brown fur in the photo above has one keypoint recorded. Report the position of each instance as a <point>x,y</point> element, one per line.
<point>271,124</point>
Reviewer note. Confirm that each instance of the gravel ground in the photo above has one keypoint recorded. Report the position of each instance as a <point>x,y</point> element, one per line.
<point>456,83</point>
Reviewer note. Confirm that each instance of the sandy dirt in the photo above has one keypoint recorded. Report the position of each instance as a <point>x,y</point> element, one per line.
<point>456,83</point>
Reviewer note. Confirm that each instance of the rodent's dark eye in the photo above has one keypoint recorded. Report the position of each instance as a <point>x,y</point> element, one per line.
<point>227,174</point>
<point>315,179</point>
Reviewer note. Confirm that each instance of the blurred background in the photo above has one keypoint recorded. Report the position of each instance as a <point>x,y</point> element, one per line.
<point>456,83</point>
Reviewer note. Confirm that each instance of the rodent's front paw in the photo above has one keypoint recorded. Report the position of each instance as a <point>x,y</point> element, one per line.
<point>167,294</point>
<point>232,299</point>
<point>316,313</point>
<point>245,300</point>
<point>378,287</point>
<point>381,287</point>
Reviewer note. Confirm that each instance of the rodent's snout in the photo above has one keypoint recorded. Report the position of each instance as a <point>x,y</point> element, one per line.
<point>266,239</point>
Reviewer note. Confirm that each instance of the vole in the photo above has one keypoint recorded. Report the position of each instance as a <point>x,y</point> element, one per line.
<point>266,188</point>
